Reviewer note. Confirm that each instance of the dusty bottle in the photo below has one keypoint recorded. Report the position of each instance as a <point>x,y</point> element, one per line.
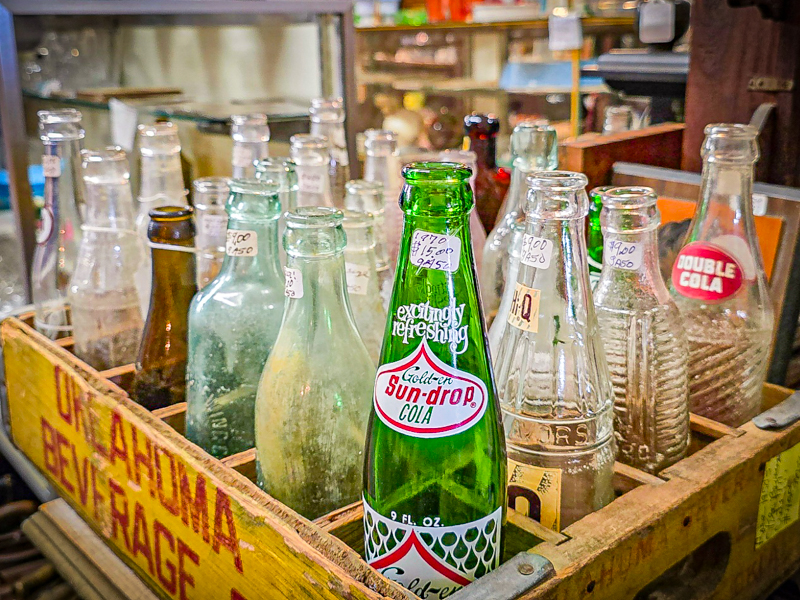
<point>211,221</point>
<point>533,148</point>
<point>327,120</point>
<point>491,183</point>
<point>312,407</point>
<point>645,345</point>
<point>233,323</point>
<point>719,285</point>
<point>160,378</point>
<point>363,282</point>
<point>250,135</point>
<point>58,232</point>
<point>617,119</point>
<point>594,234</point>
<point>434,497</point>
<point>552,376</point>
<point>103,298</point>
<point>382,165</point>
<point>310,156</point>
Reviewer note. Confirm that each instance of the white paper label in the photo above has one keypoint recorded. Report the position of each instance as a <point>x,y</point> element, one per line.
<point>623,255</point>
<point>357,278</point>
<point>311,182</point>
<point>243,156</point>
<point>536,251</point>
<point>656,22</point>
<point>435,251</point>
<point>212,228</point>
<point>241,242</point>
<point>51,165</point>
<point>294,283</point>
<point>565,32</point>
<point>340,156</point>
<point>760,204</point>
<point>124,119</point>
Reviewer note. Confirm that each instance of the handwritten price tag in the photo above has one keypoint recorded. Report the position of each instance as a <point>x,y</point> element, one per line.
<point>311,182</point>
<point>536,251</point>
<point>51,165</point>
<point>623,255</point>
<point>435,251</point>
<point>357,278</point>
<point>212,228</point>
<point>294,283</point>
<point>243,156</point>
<point>524,312</point>
<point>241,242</point>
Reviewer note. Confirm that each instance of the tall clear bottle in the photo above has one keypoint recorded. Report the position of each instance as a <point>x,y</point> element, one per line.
<point>311,159</point>
<point>211,221</point>
<point>534,147</point>
<point>552,376</point>
<point>103,298</point>
<point>160,378</point>
<point>645,345</point>
<point>314,395</point>
<point>250,135</point>
<point>382,165</point>
<point>327,120</point>
<point>283,170</point>
<point>363,283</point>
<point>435,478</point>
<point>58,232</point>
<point>719,285</point>
<point>233,323</point>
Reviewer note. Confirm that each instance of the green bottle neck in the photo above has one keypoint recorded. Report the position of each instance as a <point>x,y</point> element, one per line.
<point>265,264</point>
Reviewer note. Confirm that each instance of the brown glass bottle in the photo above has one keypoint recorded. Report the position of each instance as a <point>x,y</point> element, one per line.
<point>161,365</point>
<point>491,183</point>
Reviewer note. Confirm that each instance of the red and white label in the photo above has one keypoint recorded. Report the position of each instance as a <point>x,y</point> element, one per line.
<point>706,272</point>
<point>421,396</point>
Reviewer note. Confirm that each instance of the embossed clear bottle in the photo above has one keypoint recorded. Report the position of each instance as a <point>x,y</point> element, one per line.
<point>211,221</point>
<point>550,369</point>
<point>233,323</point>
<point>310,155</point>
<point>315,393</point>
<point>719,285</point>
<point>327,120</point>
<point>250,135</point>
<point>645,345</point>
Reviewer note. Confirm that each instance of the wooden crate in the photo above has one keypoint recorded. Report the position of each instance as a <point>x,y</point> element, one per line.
<point>198,528</point>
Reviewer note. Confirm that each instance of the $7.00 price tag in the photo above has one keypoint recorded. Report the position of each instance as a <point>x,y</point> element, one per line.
<point>524,313</point>
<point>536,251</point>
<point>241,242</point>
<point>294,283</point>
<point>435,251</point>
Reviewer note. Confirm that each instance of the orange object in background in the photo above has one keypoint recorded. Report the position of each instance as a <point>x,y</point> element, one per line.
<point>460,10</point>
<point>435,10</point>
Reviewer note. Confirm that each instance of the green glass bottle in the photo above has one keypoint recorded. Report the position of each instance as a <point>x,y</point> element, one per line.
<point>435,464</point>
<point>594,234</point>
<point>233,323</point>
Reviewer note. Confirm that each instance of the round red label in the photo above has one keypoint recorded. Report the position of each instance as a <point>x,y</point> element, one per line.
<point>706,272</point>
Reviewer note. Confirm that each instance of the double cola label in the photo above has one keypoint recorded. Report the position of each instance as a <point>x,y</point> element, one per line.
<point>708,272</point>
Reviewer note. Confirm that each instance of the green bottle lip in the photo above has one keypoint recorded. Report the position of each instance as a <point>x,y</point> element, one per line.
<point>255,187</point>
<point>436,172</point>
<point>314,217</point>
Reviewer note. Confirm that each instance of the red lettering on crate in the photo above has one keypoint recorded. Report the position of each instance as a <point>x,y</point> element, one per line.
<point>160,531</point>
<point>184,578</point>
<point>195,506</point>
<point>118,446</point>
<point>222,509</point>
<point>141,538</point>
<point>170,503</point>
<point>142,459</point>
<point>119,513</point>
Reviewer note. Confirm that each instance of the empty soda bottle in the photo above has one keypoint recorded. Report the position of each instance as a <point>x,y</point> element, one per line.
<point>160,378</point>
<point>552,376</point>
<point>282,170</point>
<point>491,183</point>
<point>58,232</point>
<point>103,298</point>
<point>382,165</point>
<point>311,407</point>
<point>327,120</point>
<point>233,323</point>
<point>594,234</point>
<point>311,159</point>
<point>434,497</point>
<point>617,119</point>
<point>211,222</point>
<point>719,285</point>
<point>250,135</point>
<point>533,148</point>
<point>643,337</point>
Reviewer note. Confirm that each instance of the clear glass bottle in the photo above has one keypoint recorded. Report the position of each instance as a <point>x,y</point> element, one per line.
<point>311,408</point>
<point>551,372</point>
<point>310,155</point>
<point>363,282</point>
<point>719,285</point>
<point>645,345</point>
<point>283,170</point>
<point>594,234</point>
<point>103,298</point>
<point>58,232</point>
<point>534,147</point>
<point>617,119</point>
<point>233,323</point>
<point>382,165</point>
<point>250,135</point>
<point>327,120</point>
<point>211,222</point>
<point>160,378</point>
<point>367,196</point>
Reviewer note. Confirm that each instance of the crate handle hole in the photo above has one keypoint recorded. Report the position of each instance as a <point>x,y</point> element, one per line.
<point>590,587</point>
<point>695,576</point>
<point>687,521</point>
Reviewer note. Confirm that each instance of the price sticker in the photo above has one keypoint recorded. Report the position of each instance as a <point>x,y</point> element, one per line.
<point>51,165</point>
<point>536,251</point>
<point>340,156</point>
<point>243,156</point>
<point>435,251</point>
<point>212,228</point>
<point>565,32</point>
<point>311,182</point>
<point>524,312</point>
<point>294,283</point>
<point>241,242</point>
<point>357,278</point>
<point>760,204</point>
<point>623,255</point>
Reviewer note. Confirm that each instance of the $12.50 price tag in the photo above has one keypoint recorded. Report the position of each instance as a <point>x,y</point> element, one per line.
<point>524,313</point>
<point>294,283</point>
<point>435,251</point>
<point>536,251</point>
<point>241,242</point>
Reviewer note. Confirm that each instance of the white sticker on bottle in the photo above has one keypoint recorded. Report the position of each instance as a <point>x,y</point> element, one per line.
<point>294,283</point>
<point>760,204</point>
<point>51,165</point>
<point>357,278</point>
<point>243,156</point>
<point>340,156</point>
<point>241,242</point>
<point>311,181</point>
<point>536,251</point>
<point>212,228</point>
<point>435,251</point>
<point>623,255</point>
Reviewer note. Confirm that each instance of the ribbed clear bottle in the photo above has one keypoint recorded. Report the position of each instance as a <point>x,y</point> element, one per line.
<point>327,120</point>
<point>382,165</point>
<point>211,222</point>
<point>310,154</point>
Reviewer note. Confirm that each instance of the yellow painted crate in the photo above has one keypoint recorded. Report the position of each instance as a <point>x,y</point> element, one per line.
<point>722,523</point>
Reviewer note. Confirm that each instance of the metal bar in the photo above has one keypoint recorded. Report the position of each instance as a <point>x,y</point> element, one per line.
<point>347,37</point>
<point>174,7</point>
<point>783,415</point>
<point>12,119</point>
<point>512,579</point>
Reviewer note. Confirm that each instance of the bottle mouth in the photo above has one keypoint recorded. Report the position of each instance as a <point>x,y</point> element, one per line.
<point>60,125</point>
<point>171,213</point>
<point>314,217</point>
<point>599,191</point>
<point>107,154</point>
<point>731,131</point>
<point>211,185</point>
<point>557,181</point>
<point>165,128</point>
<point>380,135</point>
<point>251,120</point>
<point>281,163</point>
<point>730,143</point>
<point>533,137</point>
<point>482,123</point>
<point>362,187</point>
<point>465,157</point>
<point>254,187</point>
<point>357,219</point>
<point>627,198</point>
<point>63,115</point>
<point>307,141</point>
<point>440,172</point>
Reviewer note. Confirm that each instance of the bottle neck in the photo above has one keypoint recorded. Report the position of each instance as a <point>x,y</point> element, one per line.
<point>162,176</point>
<point>314,185</point>
<point>726,202</point>
<point>384,168</point>
<point>333,130</point>
<point>518,190</point>
<point>630,260</point>
<point>265,264</point>
<point>485,149</point>
<point>324,299</point>
<point>62,186</point>
<point>244,156</point>
<point>173,275</point>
